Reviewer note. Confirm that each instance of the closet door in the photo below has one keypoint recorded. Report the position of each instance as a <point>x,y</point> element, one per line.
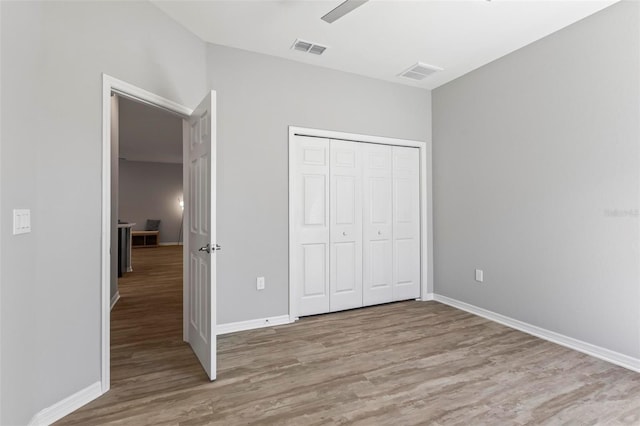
<point>345,225</point>
<point>377,226</point>
<point>310,251</point>
<point>406,223</point>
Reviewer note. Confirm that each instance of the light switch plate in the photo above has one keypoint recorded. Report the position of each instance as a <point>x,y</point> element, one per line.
<point>260,283</point>
<point>479,275</point>
<point>21,221</point>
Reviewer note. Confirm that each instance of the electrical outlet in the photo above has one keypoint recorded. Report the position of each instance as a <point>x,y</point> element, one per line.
<point>21,221</point>
<point>479,275</point>
<point>260,283</point>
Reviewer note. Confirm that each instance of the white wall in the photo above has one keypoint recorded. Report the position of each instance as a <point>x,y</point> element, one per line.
<point>532,154</point>
<point>151,191</point>
<point>258,98</point>
<point>53,55</point>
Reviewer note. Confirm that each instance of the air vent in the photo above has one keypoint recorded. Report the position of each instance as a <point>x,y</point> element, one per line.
<point>419,71</point>
<point>305,46</point>
<point>317,49</point>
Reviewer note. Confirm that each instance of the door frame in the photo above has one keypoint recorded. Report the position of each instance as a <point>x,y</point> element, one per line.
<point>426,205</point>
<point>127,90</point>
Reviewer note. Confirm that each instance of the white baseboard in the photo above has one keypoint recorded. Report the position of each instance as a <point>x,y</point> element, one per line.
<point>569,342</point>
<point>232,327</point>
<point>115,299</point>
<point>171,243</point>
<point>68,405</point>
<point>427,298</point>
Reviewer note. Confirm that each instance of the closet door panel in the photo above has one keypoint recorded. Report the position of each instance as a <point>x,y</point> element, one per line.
<point>310,254</point>
<point>380,272</point>
<point>313,271</point>
<point>346,225</point>
<point>406,223</point>
<point>346,276</point>
<point>377,224</point>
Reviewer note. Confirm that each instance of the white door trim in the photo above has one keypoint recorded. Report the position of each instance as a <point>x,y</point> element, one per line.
<point>109,85</point>
<point>426,225</point>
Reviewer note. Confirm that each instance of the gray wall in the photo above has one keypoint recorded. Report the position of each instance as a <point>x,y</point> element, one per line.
<point>255,109</point>
<point>532,155</point>
<point>18,189</point>
<point>53,55</point>
<point>51,163</point>
<point>151,191</point>
<point>17,273</point>
<point>149,134</point>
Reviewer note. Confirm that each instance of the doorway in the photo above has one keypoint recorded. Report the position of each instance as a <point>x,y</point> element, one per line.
<point>146,278</point>
<point>146,182</point>
<point>199,225</point>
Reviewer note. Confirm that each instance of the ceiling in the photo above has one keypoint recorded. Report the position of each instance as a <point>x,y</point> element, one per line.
<point>382,38</point>
<point>148,133</point>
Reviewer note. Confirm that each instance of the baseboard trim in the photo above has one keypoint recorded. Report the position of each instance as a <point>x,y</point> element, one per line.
<point>427,298</point>
<point>171,243</point>
<point>68,405</point>
<point>232,327</point>
<point>115,299</point>
<point>587,348</point>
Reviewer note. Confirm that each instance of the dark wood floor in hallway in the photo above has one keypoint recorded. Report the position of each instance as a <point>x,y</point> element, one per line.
<point>398,364</point>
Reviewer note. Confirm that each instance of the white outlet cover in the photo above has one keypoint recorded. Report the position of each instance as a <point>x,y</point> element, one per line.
<point>21,221</point>
<point>260,283</point>
<point>479,275</point>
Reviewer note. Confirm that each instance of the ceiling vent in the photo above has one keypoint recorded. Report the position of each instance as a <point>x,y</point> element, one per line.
<point>419,71</point>
<point>306,46</point>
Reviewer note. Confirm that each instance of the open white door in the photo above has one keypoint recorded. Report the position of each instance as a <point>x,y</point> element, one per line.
<point>201,199</point>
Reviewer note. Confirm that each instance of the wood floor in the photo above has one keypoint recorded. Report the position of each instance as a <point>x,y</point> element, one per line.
<point>398,364</point>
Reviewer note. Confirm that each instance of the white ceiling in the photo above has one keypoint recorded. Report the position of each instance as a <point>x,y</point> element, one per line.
<point>382,38</point>
<point>148,133</point>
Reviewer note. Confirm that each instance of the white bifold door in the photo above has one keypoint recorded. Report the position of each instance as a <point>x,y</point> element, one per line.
<point>391,227</point>
<point>406,223</point>
<point>345,225</point>
<point>378,225</point>
<point>355,224</point>
<point>310,198</point>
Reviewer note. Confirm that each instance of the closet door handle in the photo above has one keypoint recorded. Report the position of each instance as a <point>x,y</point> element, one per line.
<point>379,232</point>
<point>344,233</point>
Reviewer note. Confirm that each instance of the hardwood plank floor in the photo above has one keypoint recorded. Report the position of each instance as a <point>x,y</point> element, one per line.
<point>398,364</point>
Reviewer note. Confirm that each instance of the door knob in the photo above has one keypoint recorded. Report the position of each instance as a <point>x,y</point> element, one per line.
<point>379,232</point>
<point>344,233</point>
<point>209,249</point>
